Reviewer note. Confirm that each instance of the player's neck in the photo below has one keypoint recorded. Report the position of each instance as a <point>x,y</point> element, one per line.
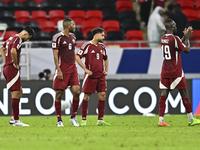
<point>66,33</point>
<point>95,42</point>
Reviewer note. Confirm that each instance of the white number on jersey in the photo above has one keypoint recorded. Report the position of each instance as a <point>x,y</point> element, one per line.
<point>7,48</point>
<point>166,52</point>
<point>70,46</point>
<point>97,55</point>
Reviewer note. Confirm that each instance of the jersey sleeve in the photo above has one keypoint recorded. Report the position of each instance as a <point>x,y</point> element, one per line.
<point>55,42</point>
<point>181,46</point>
<point>83,50</point>
<point>105,56</point>
<point>16,43</point>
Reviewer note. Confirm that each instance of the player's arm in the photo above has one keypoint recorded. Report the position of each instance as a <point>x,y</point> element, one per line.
<point>105,67</point>
<point>187,37</point>
<point>14,58</point>
<point>78,60</point>
<point>56,61</point>
<point>3,53</point>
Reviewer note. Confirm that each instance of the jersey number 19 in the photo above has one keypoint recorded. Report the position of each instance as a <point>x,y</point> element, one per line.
<point>166,52</point>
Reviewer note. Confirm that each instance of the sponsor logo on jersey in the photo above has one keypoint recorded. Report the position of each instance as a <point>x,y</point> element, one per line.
<point>92,51</point>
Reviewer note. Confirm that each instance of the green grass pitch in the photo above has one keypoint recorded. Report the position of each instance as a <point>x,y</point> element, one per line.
<point>128,132</point>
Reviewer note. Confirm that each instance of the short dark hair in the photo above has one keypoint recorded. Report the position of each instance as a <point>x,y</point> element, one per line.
<point>97,30</point>
<point>30,31</point>
<point>66,20</point>
<point>168,23</point>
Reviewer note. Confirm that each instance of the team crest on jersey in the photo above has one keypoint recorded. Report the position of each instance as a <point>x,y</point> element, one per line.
<point>73,41</point>
<point>64,42</point>
<point>54,45</point>
<point>92,51</point>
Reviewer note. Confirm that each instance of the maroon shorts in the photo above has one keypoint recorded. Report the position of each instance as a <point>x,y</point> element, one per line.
<point>69,79</point>
<point>172,83</point>
<point>90,85</point>
<point>12,77</point>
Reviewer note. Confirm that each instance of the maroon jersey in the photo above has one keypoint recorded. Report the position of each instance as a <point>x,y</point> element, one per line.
<point>13,42</point>
<point>172,47</point>
<point>94,56</point>
<point>66,47</point>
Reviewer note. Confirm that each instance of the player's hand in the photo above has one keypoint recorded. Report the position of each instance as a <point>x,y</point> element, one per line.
<point>16,66</point>
<point>88,72</point>
<point>105,73</point>
<point>187,32</point>
<point>60,75</point>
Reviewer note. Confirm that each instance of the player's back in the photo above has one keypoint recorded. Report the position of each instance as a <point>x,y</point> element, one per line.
<point>171,54</point>
<point>12,42</point>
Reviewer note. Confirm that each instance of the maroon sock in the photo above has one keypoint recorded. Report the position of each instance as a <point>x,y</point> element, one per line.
<point>58,110</point>
<point>15,108</point>
<point>187,104</point>
<point>101,109</point>
<point>162,106</point>
<point>84,108</point>
<point>75,105</point>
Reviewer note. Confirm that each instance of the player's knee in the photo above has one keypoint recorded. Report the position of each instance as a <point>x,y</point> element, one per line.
<point>59,95</point>
<point>102,97</point>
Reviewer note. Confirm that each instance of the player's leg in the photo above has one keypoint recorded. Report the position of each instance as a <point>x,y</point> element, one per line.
<point>75,104</point>
<point>188,107</point>
<point>164,86</point>
<point>16,95</point>
<point>84,108</point>
<point>101,109</point>
<point>58,97</point>
<point>101,89</point>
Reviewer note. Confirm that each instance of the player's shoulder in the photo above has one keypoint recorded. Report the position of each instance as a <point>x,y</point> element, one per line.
<point>86,44</point>
<point>72,35</point>
<point>56,36</point>
<point>102,45</point>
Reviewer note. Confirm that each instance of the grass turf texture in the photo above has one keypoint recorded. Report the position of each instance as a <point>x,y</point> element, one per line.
<point>127,132</point>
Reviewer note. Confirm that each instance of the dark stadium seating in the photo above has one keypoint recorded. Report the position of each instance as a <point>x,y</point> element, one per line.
<point>86,4</point>
<point>110,15</point>
<point>15,26</point>
<point>79,35</point>
<point>66,5</point>
<point>47,6</point>
<point>30,6</point>
<point>22,16</point>
<point>6,16</point>
<point>114,35</point>
<point>15,5</point>
<point>129,24</point>
<point>3,6</point>
<point>34,25</point>
<point>128,14</point>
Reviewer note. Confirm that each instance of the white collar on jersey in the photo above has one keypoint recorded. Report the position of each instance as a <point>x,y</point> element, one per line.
<point>168,34</point>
